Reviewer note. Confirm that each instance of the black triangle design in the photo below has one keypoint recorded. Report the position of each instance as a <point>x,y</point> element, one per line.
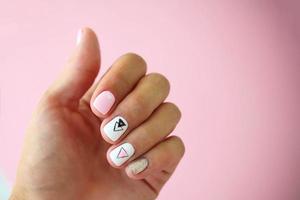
<point>117,127</point>
<point>121,123</point>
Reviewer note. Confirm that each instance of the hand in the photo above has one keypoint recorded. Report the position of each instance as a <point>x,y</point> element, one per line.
<point>66,157</point>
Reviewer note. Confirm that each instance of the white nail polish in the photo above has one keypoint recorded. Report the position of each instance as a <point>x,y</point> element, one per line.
<point>115,128</point>
<point>121,154</point>
<point>79,35</point>
<point>138,166</point>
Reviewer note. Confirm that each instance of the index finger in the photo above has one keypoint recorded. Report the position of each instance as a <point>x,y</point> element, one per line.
<point>117,83</point>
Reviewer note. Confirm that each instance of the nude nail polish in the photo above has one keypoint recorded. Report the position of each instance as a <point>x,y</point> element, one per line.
<point>104,101</point>
<point>138,166</point>
<point>115,128</point>
<point>121,154</point>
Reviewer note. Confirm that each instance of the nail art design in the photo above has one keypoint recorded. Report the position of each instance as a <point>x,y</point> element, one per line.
<point>138,166</point>
<point>115,128</point>
<point>121,154</point>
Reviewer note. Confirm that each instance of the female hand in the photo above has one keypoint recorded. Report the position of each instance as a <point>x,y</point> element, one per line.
<point>107,140</point>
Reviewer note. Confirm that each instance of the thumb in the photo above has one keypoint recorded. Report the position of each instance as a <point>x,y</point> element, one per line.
<point>80,71</point>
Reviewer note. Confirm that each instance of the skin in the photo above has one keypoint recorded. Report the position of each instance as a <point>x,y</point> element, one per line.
<point>65,155</point>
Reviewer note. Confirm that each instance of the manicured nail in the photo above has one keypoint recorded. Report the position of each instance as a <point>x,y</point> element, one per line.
<point>138,166</point>
<point>115,128</point>
<point>121,154</point>
<point>79,35</point>
<point>104,101</point>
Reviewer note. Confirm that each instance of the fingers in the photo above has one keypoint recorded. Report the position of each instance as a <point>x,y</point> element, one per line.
<point>117,83</point>
<point>147,135</point>
<point>135,119</point>
<point>138,105</point>
<point>80,71</point>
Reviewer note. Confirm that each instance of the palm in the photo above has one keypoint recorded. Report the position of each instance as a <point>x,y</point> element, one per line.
<point>76,154</point>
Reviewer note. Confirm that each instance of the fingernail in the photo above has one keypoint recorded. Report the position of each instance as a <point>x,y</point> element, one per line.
<point>121,154</point>
<point>79,35</point>
<point>104,101</point>
<point>137,166</point>
<point>115,128</point>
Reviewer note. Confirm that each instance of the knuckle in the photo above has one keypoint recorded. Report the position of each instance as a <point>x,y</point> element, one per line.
<point>180,147</point>
<point>138,60</point>
<point>175,111</point>
<point>134,56</point>
<point>160,80</point>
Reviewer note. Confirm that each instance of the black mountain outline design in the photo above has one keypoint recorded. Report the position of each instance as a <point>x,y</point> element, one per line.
<point>119,125</point>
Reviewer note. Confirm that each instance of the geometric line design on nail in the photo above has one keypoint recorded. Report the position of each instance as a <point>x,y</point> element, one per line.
<point>119,124</point>
<point>115,128</point>
<point>122,153</point>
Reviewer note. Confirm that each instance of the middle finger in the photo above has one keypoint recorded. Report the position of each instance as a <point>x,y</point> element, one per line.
<point>149,93</point>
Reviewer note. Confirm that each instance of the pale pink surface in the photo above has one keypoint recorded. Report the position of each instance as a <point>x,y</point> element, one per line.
<point>234,70</point>
<point>104,101</point>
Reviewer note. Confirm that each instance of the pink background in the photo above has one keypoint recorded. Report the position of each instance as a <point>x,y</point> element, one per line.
<point>234,68</point>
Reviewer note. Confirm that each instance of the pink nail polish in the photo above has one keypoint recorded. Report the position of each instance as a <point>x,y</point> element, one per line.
<point>104,101</point>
